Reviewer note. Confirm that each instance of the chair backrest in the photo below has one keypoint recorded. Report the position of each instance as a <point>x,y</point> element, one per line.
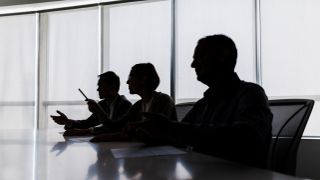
<point>290,117</point>
<point>182,109</point>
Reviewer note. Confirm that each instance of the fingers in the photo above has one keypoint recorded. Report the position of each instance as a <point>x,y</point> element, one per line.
<point>91,101</point>
<point>59,112</point>
<point>54,117</point>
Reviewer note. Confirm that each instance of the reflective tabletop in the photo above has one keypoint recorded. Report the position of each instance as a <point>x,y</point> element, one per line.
<point>48,155</point>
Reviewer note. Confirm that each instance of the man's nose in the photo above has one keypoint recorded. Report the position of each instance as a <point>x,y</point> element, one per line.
<point>193,64</point>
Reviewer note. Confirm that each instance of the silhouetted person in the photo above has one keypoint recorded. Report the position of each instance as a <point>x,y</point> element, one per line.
<point>110,109</point>
<point>232,120</point>
<point>143,80</point>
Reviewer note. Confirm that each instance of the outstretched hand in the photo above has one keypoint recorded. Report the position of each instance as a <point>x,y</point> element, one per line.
<point>62,119</point>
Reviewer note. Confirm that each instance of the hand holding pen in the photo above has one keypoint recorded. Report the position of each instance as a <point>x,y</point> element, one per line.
<point>93,106</point>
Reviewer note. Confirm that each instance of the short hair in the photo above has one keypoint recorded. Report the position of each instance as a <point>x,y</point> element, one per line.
<point>149,71</point>
<point>111,78</point>
<point>218,45</point>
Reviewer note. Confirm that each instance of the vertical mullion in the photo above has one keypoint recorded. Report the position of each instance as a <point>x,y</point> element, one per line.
<point>173,51</point>
<point>105,28</point>
<point>37,69</point>
<point>42,70</point>
<point>257,16</point>
<point>100,39</point>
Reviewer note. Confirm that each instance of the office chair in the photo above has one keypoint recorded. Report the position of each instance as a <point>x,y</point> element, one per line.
<point>290,117</point>
<point>182,109</point>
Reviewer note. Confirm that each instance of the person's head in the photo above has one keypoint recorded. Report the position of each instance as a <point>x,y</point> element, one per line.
<point>108,85</point>
<point>143,77</point>
<point>214,57</point>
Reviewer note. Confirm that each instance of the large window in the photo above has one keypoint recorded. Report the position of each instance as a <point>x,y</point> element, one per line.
<point>196,19</point>
<point>17,69</point>
<point>75,45</point>
<point>138,33</point>
<point>290,36</point>
<point>290,58</point>
<point>72,61</point>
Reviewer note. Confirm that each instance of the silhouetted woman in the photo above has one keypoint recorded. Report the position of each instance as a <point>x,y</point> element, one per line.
<point>143,80</point>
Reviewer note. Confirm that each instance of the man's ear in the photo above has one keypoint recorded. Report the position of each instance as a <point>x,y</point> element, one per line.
<point>113,87</point>
<point>226,54</point>
<point>144,79</point>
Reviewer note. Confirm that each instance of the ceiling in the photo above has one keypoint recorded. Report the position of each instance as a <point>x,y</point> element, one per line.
<point>16,2</point>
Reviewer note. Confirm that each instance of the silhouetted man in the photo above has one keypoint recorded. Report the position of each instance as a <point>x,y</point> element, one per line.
<point>111,108</point>
<point>232,120</point>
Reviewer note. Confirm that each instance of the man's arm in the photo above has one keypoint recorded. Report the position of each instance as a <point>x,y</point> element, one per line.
<point>91,121</point>
<point>118,120</point>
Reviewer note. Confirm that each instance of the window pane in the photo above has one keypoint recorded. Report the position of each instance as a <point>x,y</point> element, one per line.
<point>290,58</point>
<point>17,68</point>
<point>290,36</point>
<point>138,33</point>
<point>73,60</point>
<point>17,117</point>
<point>196,19</point>
<point>313,126</point>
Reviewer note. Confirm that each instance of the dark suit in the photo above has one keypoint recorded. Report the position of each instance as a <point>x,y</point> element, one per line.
<point>120,107</point>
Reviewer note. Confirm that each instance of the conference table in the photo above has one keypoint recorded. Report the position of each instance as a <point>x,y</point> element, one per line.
<point>46,154</point>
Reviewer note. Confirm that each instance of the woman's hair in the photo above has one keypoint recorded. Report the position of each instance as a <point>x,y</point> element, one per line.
<point>147,70</point>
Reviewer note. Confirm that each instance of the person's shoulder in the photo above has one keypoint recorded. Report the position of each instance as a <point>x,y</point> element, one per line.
<point>252,92</point>
<point>200,102</point>
<point>249,87</point>
<point>137,103</point>
<point>163,96</point>
<point>124,99</point>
